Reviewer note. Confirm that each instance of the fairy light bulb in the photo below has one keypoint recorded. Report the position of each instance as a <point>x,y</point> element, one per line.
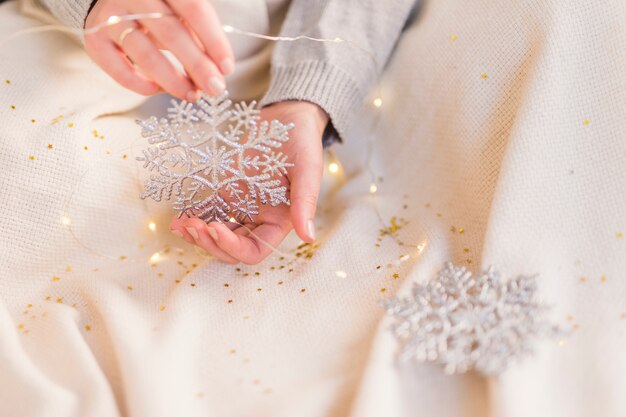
<point>341,274</point>
<point>228,29</point>
<point>373,189</point>
<point>66,221</point>
<point>333,168</point>
<point>232,220</point>
<point>114,20</point>
<point>152,226</point>
<point>155,257</point>
<point>378,102</point>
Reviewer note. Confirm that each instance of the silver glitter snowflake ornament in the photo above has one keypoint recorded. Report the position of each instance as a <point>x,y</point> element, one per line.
<point>465,321</point>
<point>217,161</point>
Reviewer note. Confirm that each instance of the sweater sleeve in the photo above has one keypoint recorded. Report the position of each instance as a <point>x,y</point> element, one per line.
<point>335,76</point>
<point>71,13</point>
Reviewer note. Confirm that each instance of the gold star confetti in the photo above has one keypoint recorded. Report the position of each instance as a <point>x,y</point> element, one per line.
<point>620,235</point>
<point>59,300</point>
<point>70,125</point>
<point>130,287</point>
<point>586,122</point>
<point>49,146</point>
<point>31,157</point>
<point>483,75</point>
<point>468,260</point>
<point>88,328</point>
<point>162,308</point>
<point>396,276</point>
<point>453,37</point>
<point>7,81</point>
<point>55,278</point>
<point>603,279</point>
<point>461,230</point>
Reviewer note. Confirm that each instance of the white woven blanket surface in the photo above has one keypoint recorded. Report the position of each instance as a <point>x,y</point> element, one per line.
<point>501,141</point>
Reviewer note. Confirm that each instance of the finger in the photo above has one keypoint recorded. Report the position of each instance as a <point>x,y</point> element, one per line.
<point>306,177</point>
<point>171,34</point>
<point>155,66</point>
<point>195,231</point>
<point>260,242</point>
<point>205,23</point>
<point>106,54</point>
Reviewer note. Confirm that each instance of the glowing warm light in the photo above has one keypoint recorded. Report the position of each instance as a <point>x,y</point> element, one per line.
<point>341,274</point>
<point>373,189</point>
<point>232,220</point>
<point>228,28</point>
<point>378,102</point>
<point>152,226</point>
<point>113,20</point>
<point>333,167</point>
<point>66,221</point>
<point>155,257</point>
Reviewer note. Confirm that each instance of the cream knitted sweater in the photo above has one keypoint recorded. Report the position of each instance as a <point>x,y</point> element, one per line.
<point>337,77</point>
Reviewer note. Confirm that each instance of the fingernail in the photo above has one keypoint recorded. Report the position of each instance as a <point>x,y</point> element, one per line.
<point>193,232</point>
<point>178,233</point>
<point>192,96</point>
<point>311,228</point>
<point>217,85</point>
<point>227,66</point>
<point>213,233</point>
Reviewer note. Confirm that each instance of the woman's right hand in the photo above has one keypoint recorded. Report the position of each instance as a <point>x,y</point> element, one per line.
<point>129,51</point>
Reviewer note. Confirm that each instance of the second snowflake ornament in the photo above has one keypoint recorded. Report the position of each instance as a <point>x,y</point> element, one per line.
<point>217,161</point>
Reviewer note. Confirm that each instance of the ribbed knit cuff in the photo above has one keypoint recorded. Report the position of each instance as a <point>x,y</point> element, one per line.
<point>320,83</point>
<point>71,13</point>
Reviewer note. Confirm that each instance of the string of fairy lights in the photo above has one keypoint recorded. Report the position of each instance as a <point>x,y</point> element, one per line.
<point>334,166</point>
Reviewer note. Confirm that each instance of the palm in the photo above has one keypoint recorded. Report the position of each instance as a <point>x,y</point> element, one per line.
<point>252,242</point>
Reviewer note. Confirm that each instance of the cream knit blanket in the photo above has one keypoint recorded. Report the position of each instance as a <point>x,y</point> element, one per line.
<point>501,141</point>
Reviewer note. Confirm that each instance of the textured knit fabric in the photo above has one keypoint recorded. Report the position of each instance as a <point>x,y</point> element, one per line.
<point>328,74</point>
<point>503,119</point>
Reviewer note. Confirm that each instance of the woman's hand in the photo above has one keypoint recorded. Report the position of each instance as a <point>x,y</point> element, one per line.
<point>304,150</point>
<point>129,51</point>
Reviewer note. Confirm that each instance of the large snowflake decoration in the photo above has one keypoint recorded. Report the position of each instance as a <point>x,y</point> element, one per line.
<point>464,321</point>
<point>217,161</point>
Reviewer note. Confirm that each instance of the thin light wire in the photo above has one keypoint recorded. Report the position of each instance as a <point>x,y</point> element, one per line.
<point>115,20</point>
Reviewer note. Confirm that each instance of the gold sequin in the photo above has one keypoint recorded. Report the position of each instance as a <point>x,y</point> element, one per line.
<point>31,157</point>
<point>70,125</point>
<point>603,278</point>
<point>122,258</point>
<point>453,37</point>
<point>259,289</point>
<point>130,287</point>
<point>280,282</point>
<point>12,107</point>
<point>55,278</point>
<point>230,301</point>
<point>68,269</point>
<point>88,328</point>
<point>49,146</point>
<point>226,285</point>
<point>461,230</point>
<point>620,235</point>
<point>383,289</point>
<point>33,121</point>
<point>59,300</point>
<point>483,75</point>
<point>124,156</point>
<point>162,308</point>
<point>86,148</point>
<point>302,289</point>
<point>586,122</point>
<point>7,81</point>
<point>396,276</point>
<point>20,326</point>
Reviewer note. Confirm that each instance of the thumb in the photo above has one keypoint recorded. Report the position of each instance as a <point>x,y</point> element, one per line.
<point>305,189</point>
